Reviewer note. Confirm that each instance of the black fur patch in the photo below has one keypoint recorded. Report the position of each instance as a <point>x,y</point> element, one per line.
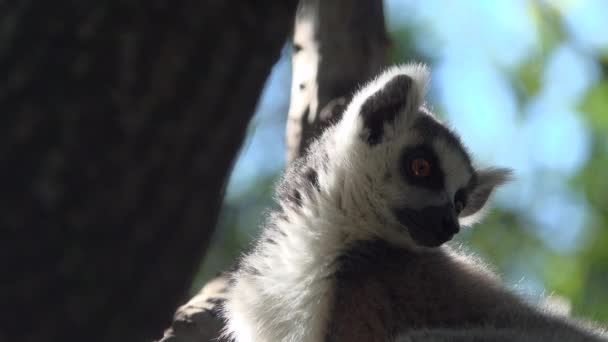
<point>358,271</point>
<point>312,176</point>
<point>297,198</point>
<point>461,196</point>
<point>272,226</point>
<point>250,270</point>
<point>215,301</point>
<point>430,226</point>
<point>300,181</point>
<point>431,129</point>
<point>279,215</point>
<point>383,106</point>
<point>363,257</point>
<point>216,308</point>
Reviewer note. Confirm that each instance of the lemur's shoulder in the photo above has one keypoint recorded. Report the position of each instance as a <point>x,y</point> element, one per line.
<point>394,290</point>
<point>439,294</point>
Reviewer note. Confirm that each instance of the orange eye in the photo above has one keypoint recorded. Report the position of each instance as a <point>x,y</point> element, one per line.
<point>421,167</point>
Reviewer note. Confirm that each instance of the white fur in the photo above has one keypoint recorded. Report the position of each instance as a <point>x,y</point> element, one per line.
<point>351,123</point>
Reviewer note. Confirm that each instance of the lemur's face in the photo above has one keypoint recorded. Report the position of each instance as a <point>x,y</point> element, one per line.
<point>419,173</point>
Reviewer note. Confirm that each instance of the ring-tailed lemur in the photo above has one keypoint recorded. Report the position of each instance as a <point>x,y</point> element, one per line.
<point>354,251</point>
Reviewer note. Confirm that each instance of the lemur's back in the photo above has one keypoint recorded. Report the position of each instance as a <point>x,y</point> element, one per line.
<point>408,290</point>
<point>404,292</point>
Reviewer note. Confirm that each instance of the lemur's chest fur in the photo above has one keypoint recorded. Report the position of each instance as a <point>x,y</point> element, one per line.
<point>383,291</point>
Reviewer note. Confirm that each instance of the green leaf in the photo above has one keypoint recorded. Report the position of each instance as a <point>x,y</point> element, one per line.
<point>595,106</point>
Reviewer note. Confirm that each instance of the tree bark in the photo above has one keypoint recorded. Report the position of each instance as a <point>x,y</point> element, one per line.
<point>337,46</point>
<point>119,122</point>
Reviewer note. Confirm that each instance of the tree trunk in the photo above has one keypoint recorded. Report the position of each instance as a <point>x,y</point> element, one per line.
<point>337,46</point>
<point>119,122</point>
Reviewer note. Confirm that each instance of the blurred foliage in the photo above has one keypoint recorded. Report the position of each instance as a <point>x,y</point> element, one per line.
<point>519,242</point>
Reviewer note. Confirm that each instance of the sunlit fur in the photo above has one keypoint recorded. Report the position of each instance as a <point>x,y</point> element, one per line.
<point>340,193</point>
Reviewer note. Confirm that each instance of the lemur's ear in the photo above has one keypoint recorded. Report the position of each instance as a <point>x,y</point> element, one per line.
<point>399,90</point>
<point>487,181</point>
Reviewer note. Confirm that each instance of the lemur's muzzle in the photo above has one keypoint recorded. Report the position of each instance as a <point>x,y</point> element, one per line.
<point>430,226</point>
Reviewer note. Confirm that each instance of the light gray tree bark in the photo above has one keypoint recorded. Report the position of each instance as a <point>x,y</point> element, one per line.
<point>337,46</point>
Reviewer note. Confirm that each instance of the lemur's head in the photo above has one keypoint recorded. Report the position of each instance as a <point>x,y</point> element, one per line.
<point>409,166</point>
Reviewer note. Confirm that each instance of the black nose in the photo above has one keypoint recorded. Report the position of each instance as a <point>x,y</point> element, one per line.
<point>450,223</point>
